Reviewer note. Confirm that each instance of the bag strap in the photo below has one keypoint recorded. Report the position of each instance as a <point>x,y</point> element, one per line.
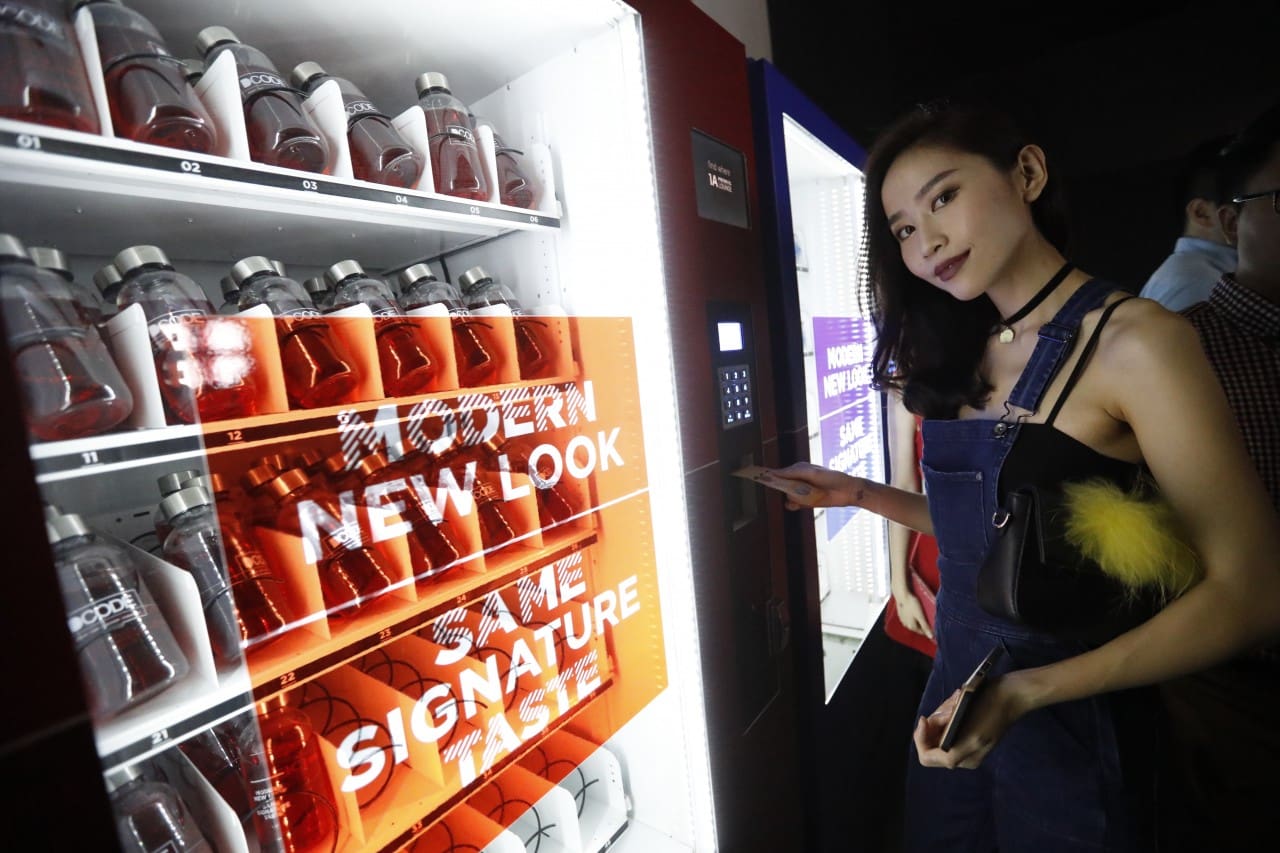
<point>1089,346</point>
<point>1054,342</point>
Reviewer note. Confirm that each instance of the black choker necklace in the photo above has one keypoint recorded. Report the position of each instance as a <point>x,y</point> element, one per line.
<point>1005,326</point>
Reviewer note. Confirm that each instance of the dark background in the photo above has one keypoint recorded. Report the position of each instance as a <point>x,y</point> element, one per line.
<point>1119,93</point>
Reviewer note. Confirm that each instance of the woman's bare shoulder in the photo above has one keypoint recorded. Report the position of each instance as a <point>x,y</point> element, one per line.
<point>1143,335</point>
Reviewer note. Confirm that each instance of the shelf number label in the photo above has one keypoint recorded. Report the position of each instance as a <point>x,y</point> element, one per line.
<point>191,167</point>
<point>89,457</point>
<point>473,210</point>
<point>235,435</point>
<point>534,220</point>
<point>31,143</point>
<point>288,678</point>
<point>401,199</point>
<point>310,185</point>
<point>384,635</point>
<point>159,737</point>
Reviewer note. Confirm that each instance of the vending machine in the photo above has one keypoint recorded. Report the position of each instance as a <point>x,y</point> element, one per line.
<point>812,197</point>
<point>377,374</point>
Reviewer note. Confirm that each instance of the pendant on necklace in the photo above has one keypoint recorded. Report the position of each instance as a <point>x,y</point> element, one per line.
<point>1006,335</point>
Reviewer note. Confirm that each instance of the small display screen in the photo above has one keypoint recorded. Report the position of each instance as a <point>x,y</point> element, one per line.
<point>730,336</point>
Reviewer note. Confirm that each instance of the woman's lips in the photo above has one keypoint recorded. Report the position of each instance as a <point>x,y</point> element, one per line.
<point>948,268</point>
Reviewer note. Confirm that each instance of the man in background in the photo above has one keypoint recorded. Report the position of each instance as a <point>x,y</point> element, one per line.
<point>1225,742</point>
<point>1202,254</point>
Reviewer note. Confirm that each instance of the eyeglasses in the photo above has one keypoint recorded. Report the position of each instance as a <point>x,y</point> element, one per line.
<point>1275,198</point>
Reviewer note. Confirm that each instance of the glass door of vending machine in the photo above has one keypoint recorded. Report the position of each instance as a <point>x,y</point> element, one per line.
<point>391,551</point>
<point>812,194</point>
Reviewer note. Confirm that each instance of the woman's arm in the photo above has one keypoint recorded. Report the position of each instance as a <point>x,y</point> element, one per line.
<point>904,474</point>
<point>832,488</point>
<point>1161,384</point>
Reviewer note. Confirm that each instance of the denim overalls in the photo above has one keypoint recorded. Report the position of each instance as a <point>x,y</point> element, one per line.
<point>1069,777</point>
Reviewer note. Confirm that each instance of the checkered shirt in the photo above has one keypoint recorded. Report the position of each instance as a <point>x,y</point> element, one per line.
<point>1240,333</point>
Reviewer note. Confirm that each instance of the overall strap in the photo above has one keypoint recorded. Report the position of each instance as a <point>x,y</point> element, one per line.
<point>1089,347</point>
<point>1055,340</point>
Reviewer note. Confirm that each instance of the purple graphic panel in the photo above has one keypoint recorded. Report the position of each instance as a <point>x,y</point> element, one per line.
<point>842,349</point>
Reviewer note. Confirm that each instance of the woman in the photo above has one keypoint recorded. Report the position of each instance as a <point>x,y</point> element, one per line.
<point>1028,371</point>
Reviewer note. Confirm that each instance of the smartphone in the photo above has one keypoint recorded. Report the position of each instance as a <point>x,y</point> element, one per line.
<point>968,691</point>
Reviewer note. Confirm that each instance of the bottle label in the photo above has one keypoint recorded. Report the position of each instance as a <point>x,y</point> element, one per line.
<point>131,44</point>
<point>174,331</point>
<point>389,311</point>
<point>301,312</point>
<point>255,83</point>
<point>105,615</point>
<point>36,21</point>
<point>460,133</point>
<point>359,109</point>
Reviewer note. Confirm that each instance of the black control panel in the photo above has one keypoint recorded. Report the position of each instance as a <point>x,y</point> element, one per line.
<point>736,395</point>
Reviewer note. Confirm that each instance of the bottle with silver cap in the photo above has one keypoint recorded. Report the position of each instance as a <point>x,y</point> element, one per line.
<point>317,369</point>
<point>280,132</point>
<point>533,349</point>
<point>126,649</point>
<point>473,349</point>
<point>108,281</point>
<point>378,152</point>
<point>230,297</point>
<point>150,98</point>
<point>89,299</point>
<point>194,544</point>
<point>319,291</point>
<point>455,158</point>
<point>151,815</point>
<point>70,386</point>
<point>404,353</point>
<point>203,376</point>
<point>351,573</point>
<point>432,548</point>
<point>42,74</point>
<point>168,484</point>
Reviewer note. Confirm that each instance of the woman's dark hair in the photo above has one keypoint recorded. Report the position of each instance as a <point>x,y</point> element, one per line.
<point>929,344</point>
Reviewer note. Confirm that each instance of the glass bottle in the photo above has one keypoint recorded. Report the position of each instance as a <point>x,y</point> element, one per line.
<point>203,374</point>
<point>321,295</point>
<point>280,132</point>
<point>293,794</point>
<point>514,187</point>
<point>147,90</point>
<point>495,528</point>
<point>317,370</point>
<point>431,545</point>
<point>471,345</point>
<point>536,356</point>
<point>230,297</point>
<point>88,298</point>
<point>108,281</point>
<point>151,817</point>
<point>555,502</point>
<point>168,484</point>
<point>351,574</point>
<point>70,385</point>
<point>42,75</point>
<point>126,649</point>
<point>215,753</point>
<point>403,351</point>
<point>194,545</point>
<point>259,596</point>
<point>455,157</point>
<point>378,152</point>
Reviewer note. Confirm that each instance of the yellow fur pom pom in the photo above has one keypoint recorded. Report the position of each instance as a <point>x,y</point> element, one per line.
<point>1135,539</point>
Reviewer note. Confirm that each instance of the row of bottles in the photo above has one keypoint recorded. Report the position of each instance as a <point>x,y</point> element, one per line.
<point>206,368</point>
<point>153,99</point>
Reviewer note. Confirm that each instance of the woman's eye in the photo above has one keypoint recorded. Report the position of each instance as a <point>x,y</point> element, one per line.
<point>904,232</point>
<point>943,198</point>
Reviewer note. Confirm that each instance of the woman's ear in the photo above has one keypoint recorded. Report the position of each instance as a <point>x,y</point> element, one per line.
<point>1032,172</point>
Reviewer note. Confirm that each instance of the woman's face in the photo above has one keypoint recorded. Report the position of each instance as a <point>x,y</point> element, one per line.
<point>957,218</point>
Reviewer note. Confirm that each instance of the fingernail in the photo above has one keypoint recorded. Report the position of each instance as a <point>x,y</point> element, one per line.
<point>802,490</point>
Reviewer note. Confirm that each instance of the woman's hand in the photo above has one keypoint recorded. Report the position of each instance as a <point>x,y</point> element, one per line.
<point>996,706</point>
<point>911,613</point>
<point>822,487</point>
